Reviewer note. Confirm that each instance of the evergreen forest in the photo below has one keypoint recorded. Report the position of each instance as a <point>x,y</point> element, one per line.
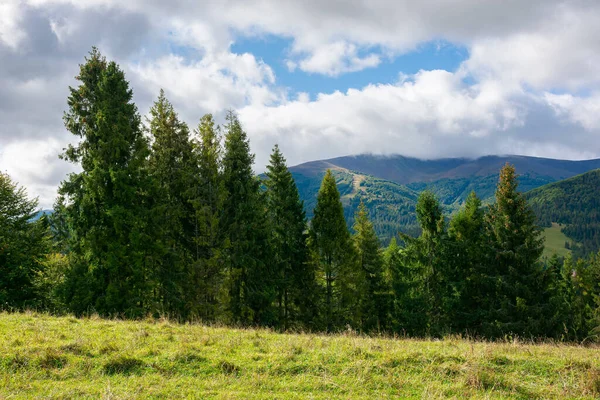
<point>166,219</point>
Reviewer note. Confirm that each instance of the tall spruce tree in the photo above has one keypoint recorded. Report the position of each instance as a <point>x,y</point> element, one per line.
<point>516,246</point>
<point>287,221</point>
<point>331,250</point>
<point>244,222</point>
<point>207,269</point>
<point>467,230</point>
<point>372,300</point>
<point>106,204</point>
<point>423,271</point>
<point>174,173</point>
<point>24,245</point>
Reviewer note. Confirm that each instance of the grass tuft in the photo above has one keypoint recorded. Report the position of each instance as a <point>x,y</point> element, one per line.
<point>123,365</point>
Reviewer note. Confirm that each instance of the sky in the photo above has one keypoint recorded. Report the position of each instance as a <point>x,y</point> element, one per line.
<point>428,79</point>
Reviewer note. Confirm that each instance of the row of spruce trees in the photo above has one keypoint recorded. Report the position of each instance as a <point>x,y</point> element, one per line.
<point>164,221</point>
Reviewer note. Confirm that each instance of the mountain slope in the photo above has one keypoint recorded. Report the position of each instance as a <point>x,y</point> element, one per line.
<point>390,185</point>
<point>391,206</point>
<point>573,203</point>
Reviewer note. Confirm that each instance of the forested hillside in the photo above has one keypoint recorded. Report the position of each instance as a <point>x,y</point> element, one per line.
<point>391,184</point>
<point>575,204</point>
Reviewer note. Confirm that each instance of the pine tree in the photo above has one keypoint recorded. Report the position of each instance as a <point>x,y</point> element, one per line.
<point>422,276</point>
<point>106,204</point>
<point>516,246</point>
<point>207,272</point>
<point>287,220</point>
<point>372,307</point>
<point>331,250</point>
<point>174,172</point>
<point>467,230</point>
<point>24,246</point>
<point>244,222</point>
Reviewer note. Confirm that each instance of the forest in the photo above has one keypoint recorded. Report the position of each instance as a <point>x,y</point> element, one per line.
<point>168,220</point>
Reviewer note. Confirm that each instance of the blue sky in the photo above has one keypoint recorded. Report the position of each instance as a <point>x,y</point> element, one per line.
<point>274,51</point>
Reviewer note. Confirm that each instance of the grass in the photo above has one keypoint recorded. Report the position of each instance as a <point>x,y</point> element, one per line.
<point>555,242</point>
<point>64,357</point>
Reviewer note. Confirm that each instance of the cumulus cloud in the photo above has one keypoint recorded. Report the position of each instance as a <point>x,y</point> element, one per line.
<point>529,84</point>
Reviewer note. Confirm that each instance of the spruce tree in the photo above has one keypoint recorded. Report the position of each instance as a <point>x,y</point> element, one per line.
<point>467,231</point>
<point>372,304</point>
<point>287,222</point>
<point>24,246</point>
<point>106,204</point>
<point>423,272</point>
<point>516,246</point>
<point>250,285</point>
<point>331,251</point>
<point>174,173</point>
<point>207,271</point>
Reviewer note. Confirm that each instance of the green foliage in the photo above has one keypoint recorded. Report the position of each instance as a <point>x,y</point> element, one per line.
<point>371,307</point>
<point>467,231</point>
<point>514,284</point>
<point>206,273</point>
<point>331,253</point>
<point>574,204</point>
<point>24,244</point>
<point>293,275</point>
<point>105,207</point>
<point>174,171</point>
<point>250,281</point>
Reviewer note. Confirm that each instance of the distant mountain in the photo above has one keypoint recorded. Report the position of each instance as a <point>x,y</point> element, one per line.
<point>41,213</point>
<point>574,204</point>
<point>382,180</point>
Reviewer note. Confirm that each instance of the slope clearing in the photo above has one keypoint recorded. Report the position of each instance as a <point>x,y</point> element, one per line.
<point>50,357</point>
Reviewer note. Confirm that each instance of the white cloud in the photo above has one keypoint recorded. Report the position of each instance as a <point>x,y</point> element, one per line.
<point>10,17</point>
<point>337,58</point>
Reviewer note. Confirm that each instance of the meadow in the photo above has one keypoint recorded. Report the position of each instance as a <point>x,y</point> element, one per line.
<point>42,356</point>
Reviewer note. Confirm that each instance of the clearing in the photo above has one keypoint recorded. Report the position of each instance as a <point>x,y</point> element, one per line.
<point>555,241</point>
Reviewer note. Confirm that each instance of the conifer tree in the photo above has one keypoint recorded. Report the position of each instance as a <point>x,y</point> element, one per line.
<point>24,244</point>
<point>467,230</point>
<point>515,248</point>
<point>424,272</point>
<point>106,204</point>
<point>174,173</point>
<point>250,287</point>
<point>287,222</point>
<point>207,271</point>
<point>331,250</point>
<point>372,307</point>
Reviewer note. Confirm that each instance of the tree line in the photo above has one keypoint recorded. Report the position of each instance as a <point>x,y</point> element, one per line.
<point>167,220</point>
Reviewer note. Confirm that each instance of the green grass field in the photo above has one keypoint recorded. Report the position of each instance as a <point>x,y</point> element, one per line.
<point>64,357</point>
<point>555,242</point>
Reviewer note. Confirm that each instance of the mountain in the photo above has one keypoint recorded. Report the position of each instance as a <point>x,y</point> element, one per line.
<point>574,205</point>
<point>389,185</point>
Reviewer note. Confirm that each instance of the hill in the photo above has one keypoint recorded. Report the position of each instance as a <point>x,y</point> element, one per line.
<point>575,204</point>
<point>65,357</point>
<point>391,180</point>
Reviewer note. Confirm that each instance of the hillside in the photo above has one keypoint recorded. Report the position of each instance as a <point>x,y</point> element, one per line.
<point>66,357</point>
<point>391,184</point>
<point>575,204</point>
<point>391,206</point>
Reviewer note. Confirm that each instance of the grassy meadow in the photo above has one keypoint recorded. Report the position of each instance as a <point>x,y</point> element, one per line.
<point>555,241</point>
<point>64,357</point>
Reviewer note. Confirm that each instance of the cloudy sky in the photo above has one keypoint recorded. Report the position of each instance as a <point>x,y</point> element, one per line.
<point>322,78</point>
